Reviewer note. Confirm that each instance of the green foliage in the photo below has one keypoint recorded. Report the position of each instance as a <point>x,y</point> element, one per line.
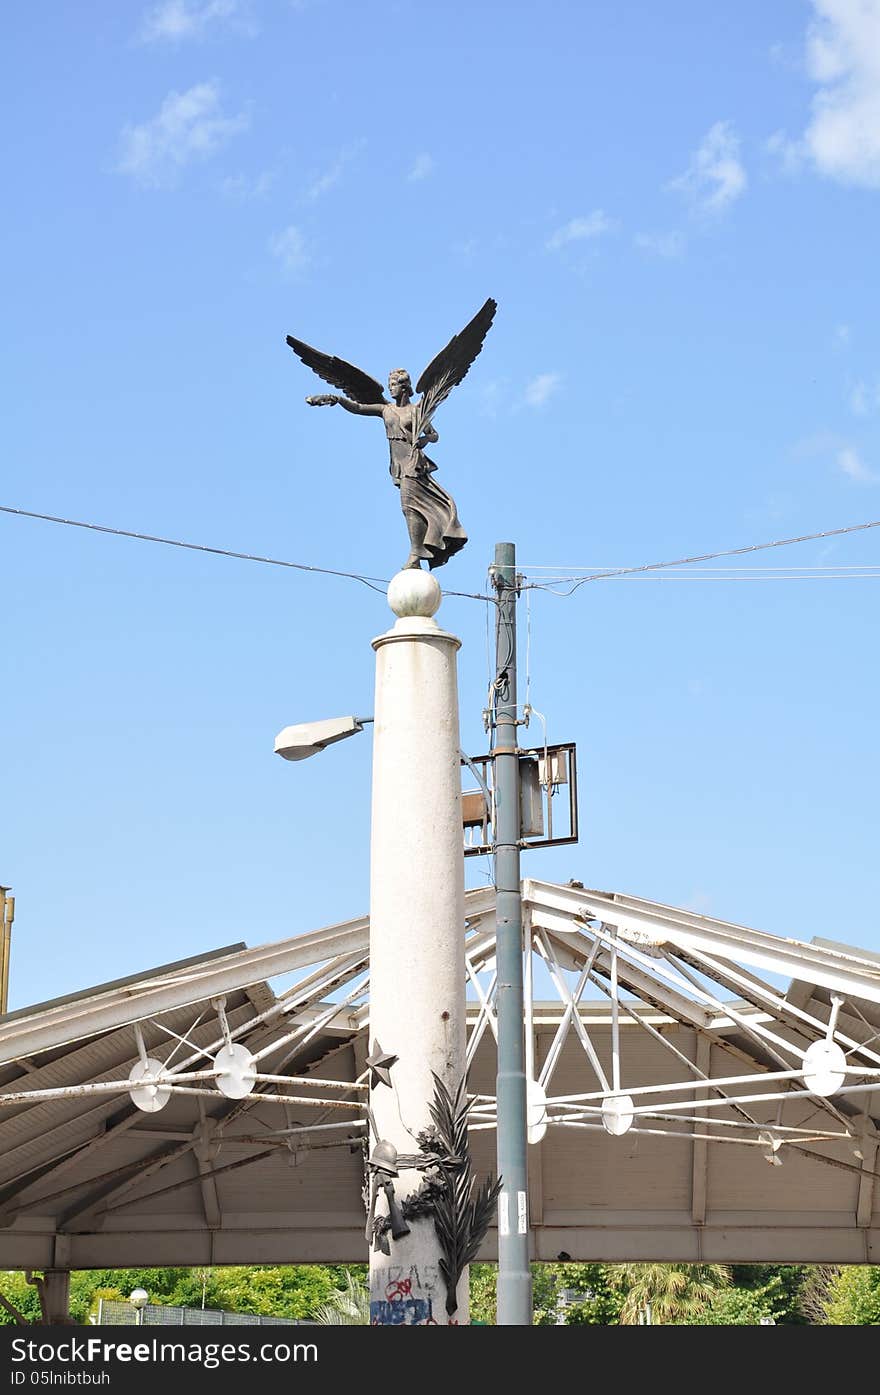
<point>21,1294</point>
<point>94,1296</point>
<point>790,1281</point>
<point>548,1281</point>
<point>854,1297</point>
<point>602,1301</point>
<point>348,1307</point>
<point>291,1291</point>
<point>703,1295</point>
<point>815,1291</point>
<point>484,1279</point>
<point>677,1293</point>
<point>744,1307</point>
<point>545,1292</point>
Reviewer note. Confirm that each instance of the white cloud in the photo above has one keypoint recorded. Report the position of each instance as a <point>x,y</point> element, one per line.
<point>851,463</point>
<point>845,455</point>
<point>188,126</point>
<point>243,188</point>
<point>716,176</point>
<point>789,153</point>
<point>821,443</point>
<point>466,248</point>
<point>842,336</point>
<point>667,245</point>
<point>858,399</point>
<point>541,389</point>
<point>865,397</point>
<point>289,248</point>
<point>593,225</point>
<point>333,173</point>
<point>184,19</point>
<point>325,181</point>
<point>842,137</point>
<point>424,165</point>
<point>491,397</point>
<point>843,56</point>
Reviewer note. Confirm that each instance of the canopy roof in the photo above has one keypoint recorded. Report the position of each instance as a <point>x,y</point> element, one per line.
<point>674,1073</point>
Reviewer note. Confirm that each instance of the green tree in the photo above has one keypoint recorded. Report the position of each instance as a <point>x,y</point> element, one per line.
<point>483,1284</point>
<point>21,1295</point>
<point>745,1307</point>
<point>600,1304</point>
<point>347,1307</point>
<point>813,1297</point>
<point>601,1300</point>
<point>291,1291</point>
<point>677,1293</point>
<point>788,1280</point>
<point>484,1294</point>
<point>287,1290</point>
<point>854,1297</point>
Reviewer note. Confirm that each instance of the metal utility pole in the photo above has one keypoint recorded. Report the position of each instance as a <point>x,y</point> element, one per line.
<point>514,1275</point>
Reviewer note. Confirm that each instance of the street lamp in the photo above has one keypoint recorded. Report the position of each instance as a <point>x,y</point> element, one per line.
<point>139,1298</point>
<point>306,739</point>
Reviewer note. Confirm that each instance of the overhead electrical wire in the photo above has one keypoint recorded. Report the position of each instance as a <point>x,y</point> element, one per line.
<point>564,577</point>
<point>375,583</point>
<point>606,575</point>
<point>860,574</point>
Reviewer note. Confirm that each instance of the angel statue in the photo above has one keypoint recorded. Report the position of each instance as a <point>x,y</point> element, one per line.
<point>435,533</point>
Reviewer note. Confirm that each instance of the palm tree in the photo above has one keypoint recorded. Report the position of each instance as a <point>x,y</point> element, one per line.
<point>676,1292</point>
<point>348,1307</point>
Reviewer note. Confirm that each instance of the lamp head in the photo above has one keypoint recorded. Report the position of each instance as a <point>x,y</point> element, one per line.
<point>306,739</point>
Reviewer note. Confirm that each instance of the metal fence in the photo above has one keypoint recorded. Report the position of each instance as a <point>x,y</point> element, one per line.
<point>115,1313</point>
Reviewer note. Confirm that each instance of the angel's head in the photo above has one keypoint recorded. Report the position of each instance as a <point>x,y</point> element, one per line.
<point>399,383</point>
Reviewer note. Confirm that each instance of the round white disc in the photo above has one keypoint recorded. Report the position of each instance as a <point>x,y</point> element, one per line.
<point>536,1111</point>
<point>236,1072</point>
<point>824,1067</point>
<point>618,1114</point>
<point>148,1097</point>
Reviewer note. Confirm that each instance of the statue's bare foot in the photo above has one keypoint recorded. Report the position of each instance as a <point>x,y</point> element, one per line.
<point>412,562</point>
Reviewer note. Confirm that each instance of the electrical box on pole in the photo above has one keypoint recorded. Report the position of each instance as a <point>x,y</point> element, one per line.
<point>547,799</point>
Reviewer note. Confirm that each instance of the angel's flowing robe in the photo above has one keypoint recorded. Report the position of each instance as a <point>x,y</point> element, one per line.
<point>421,498</point>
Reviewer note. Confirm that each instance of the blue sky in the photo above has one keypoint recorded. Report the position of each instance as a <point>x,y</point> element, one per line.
<point>676,208</point>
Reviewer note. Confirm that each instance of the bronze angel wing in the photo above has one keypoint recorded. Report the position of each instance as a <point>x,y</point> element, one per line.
<point>446,371</point>
<point>354,382</point>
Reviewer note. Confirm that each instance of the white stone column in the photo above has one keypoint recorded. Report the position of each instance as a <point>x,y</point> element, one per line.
<point>417,973</point>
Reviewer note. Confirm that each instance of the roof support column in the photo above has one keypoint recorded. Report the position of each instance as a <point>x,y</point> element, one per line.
<point>700,1164</point>
<point>53,1288</point>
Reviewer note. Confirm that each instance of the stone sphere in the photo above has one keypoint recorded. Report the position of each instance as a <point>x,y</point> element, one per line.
<point>414,592</point>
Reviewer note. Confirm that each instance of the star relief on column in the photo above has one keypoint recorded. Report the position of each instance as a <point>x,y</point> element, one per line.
<point>380,1063</point>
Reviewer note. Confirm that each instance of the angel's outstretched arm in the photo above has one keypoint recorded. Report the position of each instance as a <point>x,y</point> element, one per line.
<point>362,409</point>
